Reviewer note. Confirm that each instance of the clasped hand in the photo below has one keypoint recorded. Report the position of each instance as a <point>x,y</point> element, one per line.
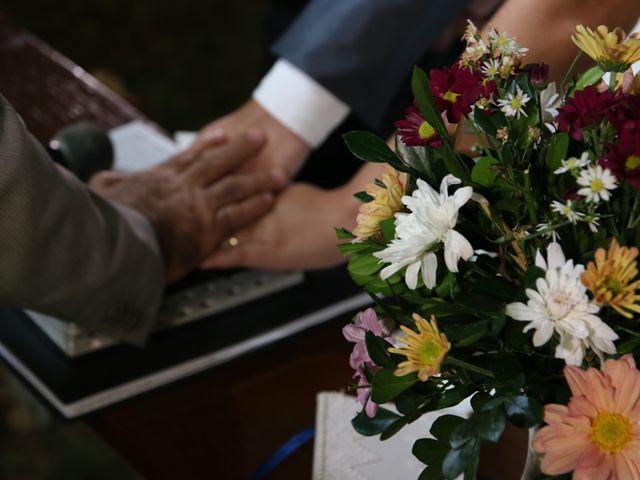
<point>195,200</point>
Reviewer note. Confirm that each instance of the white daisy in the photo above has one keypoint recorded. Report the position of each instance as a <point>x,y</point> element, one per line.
<point>593,222</point>
<point>560,304</point>
<point>597,183</point>
<point>566,210</point>
<point>491,67</point>
<point>428,228</point>
<point>547,230</point>
<point>513,105</point>
<point>505,44</point>
<point>572,164</point>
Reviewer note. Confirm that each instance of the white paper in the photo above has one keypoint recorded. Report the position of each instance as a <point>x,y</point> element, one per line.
<point>340,453</point>
<point>137,146</point>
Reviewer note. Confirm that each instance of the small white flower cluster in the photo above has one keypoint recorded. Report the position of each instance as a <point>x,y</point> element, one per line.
<point>596,185</point>
<point>560,305</point>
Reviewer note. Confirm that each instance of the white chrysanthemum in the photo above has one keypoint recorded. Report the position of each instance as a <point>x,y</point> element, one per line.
<point>428,227</point>
<point>513,105</point>
<point>549,102</point>
<point>597,183</point>
<point>566,210</point>
<point>560,304</point>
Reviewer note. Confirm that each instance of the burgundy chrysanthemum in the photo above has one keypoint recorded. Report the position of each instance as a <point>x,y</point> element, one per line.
<point>414,130</point>
<point>587,108</point>
<point>538,74</point>
<point>455,90</point>
<point>625,116</point>
<point>623,159</point>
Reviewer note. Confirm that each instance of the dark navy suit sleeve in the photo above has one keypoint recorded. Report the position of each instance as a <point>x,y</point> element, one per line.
<point>362,50</point>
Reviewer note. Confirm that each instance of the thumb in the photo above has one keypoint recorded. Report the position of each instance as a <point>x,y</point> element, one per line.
<point>106,179</point>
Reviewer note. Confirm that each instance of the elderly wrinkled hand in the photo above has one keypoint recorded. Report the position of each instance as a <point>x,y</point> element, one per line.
<point>195,200</point>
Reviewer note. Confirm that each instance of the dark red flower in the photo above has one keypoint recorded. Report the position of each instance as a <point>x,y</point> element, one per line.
<point>625,116</point>
<point>623,159</point>
<point>587,108</point>
<point>414,130</point>
<point>455,89</point>
<point>538,74</point>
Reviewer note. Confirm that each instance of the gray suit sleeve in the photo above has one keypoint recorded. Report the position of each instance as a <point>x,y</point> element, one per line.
<point>362,50</point>
<point>66,251</point>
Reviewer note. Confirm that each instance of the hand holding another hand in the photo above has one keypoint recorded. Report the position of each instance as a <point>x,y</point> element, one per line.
<point>297,234</point>
<point>284,149</point>
<point>193,200</point>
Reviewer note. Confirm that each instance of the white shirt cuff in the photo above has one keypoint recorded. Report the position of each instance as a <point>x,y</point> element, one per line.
<point>300,103</point>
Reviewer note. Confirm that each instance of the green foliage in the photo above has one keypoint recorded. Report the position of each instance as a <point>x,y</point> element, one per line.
<point>386,385</point>
<point>485,171</point>
<point>370,427</point>
<point>377,349</point>
<point>364,197</point>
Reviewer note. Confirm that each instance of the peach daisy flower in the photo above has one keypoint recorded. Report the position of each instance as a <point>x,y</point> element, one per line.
<point>612,278</point>
<point>597,435</point>
<point>387,196</point>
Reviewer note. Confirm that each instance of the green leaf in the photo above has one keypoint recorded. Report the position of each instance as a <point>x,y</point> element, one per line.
<point>426,103</point>
<point>497,287</point>
<point>531,275</point>
<point>365,264</point>
<point>590,77</point>
<point>490,425</point>
<point>457,460</point>
<point>369,147</point>
<point>364,197</point>
<point>373,426</point>
<point>484,425</point>
<point>479,400</point>
<point>523,412</point>
<point>432,453</point>
<point>351,248</point>
<point>386,385</point>
<point>377,349</point>
<point>394,428</point>
<point>557,151</point>
<point>343,234</point>
<point>452,397</point>
<point>444,425</point>
<point>388,229</point>
<point>485,171</point>
<point>408,402</point>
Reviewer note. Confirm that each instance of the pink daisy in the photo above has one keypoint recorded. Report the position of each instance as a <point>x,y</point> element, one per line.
<point>597,435</point>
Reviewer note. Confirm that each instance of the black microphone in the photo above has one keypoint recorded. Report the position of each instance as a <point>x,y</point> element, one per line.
<point>83,148</point>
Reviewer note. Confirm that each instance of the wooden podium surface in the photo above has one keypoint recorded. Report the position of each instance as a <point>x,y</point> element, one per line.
<point>225,422</point>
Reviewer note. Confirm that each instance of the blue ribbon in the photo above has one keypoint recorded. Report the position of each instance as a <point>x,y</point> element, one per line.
<point>287,448</point>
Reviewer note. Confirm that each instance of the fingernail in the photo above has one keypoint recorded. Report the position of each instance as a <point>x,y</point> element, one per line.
<point>255,135</point>
<point>279,176</point>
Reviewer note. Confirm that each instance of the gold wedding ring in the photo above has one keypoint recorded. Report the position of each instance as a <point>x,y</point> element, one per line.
<point>233,241</point>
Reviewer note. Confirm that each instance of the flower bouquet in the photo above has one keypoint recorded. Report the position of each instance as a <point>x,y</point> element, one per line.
<point>509,264</point>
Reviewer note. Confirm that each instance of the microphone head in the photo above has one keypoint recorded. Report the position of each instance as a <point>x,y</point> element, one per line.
<point>83,148</point>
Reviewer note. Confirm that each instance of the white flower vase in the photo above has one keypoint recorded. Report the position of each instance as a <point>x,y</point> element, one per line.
<point>532,464</point>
